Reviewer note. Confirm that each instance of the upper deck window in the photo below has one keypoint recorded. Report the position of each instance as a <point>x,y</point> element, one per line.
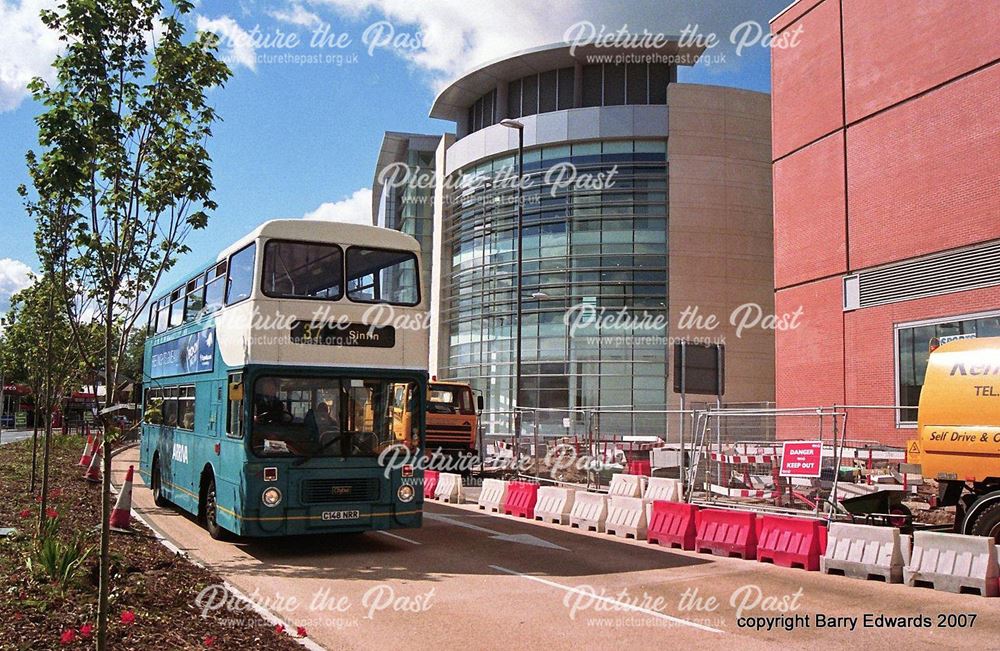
<point>382,276</point>
<point>215,279</point>
<point>303,270</point>
<point>240,275</point>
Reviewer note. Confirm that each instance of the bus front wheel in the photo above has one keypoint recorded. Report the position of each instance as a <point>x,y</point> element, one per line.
<point>210,509</point>
<point>157,486</point>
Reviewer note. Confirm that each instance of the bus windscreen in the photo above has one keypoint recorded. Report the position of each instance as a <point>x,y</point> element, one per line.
<point>322,416</point>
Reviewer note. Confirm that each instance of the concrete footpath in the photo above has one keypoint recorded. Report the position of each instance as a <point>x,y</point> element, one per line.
<point>483,582</point>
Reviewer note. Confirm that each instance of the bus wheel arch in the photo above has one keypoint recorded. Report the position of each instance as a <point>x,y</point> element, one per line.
<point>156,482</point>
<point>208,504</point>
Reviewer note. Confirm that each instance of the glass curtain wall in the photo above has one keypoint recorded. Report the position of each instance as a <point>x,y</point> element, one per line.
<point>584,249</point>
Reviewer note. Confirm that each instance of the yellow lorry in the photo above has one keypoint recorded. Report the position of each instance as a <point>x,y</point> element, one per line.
<point>452,417</point>
<point>958,432</point>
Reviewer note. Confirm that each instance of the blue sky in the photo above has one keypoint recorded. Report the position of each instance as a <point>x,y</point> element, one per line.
<point>302,138</point>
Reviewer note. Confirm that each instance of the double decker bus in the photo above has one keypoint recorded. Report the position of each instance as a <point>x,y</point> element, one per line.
<point>272,379</point>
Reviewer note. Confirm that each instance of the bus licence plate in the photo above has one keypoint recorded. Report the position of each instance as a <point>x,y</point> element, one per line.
<point>341,515</point>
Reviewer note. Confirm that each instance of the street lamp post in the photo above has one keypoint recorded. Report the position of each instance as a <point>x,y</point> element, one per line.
<point>514,124</point>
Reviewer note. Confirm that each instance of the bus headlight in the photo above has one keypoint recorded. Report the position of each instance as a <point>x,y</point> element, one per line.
<point>271,497</point>
<point>405,493</point>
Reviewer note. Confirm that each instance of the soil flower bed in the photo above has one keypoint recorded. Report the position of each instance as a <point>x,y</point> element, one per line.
<point>153,591</point>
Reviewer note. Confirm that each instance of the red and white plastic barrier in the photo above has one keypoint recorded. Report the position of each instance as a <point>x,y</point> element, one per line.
<point>791,542</point>
<point>727,533</point>
<point>672,524</point>
<point>521,499</point>
<point>430,483</point>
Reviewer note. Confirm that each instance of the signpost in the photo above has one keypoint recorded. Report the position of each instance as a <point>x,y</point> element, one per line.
<point>698,368</point>
<point>801,458</point>
<point>21,419</point>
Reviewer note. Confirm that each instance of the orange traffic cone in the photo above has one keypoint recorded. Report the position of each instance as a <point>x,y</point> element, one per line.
<point>120,516</point>
<point>93,473</point>
<point>88,451</point>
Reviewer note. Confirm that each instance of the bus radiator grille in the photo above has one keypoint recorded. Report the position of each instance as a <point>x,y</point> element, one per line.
<point>319,491</point>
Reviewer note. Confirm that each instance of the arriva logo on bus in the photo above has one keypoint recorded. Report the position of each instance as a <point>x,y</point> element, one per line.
<point>180,453</point>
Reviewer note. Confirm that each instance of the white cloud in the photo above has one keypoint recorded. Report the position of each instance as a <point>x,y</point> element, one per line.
<point>236,46</point>
<point>296,14</point>
<point>14,276</point>
<point>27,49</point>
<point>458,35</point>
<point>355,209</point>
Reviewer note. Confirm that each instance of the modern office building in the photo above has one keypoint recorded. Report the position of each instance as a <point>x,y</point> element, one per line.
<point>886,200</point>
<point>642,197</point>
<point>403,189</point>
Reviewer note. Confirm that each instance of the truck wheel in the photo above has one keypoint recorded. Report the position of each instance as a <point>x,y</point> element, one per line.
<point>988,523</point>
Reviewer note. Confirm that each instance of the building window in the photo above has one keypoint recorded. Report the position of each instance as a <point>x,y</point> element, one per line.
<point>240,275</point>
<point>614,85</point>
<point>514,99</point>
<point>592,82</point>
<point>565,88</point>
<point>913,342</point>
<point>529,95</point>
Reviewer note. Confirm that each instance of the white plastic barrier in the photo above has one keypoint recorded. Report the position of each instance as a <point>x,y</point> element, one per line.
<point>554,504</point>
<point>590,511</point>
<point>661,488</point>
<point>449,488</point>
<point>493,495</point>
<point>953,563</point>
<point>626,485</point>
<point>626,517</point>
<point>864,552</point>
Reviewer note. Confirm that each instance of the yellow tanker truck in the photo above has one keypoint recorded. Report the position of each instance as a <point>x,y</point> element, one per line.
<point>958,432</point>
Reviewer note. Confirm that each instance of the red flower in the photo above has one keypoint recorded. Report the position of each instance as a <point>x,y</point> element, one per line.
<point>55,493</point>
<point>209,640</point>
<point>128,617</point>
<point>67,637</point>
<point>279,628</point>
<point>86,631</point>
<point>51,513</point>
<point>26,513</point>
<point>301,631</point>
<point>18,617</point>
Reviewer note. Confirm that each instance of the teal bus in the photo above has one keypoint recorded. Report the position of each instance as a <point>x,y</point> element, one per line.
<point>276,380</point>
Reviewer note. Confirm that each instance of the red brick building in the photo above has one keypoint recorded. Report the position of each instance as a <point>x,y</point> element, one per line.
<point>886,148</point>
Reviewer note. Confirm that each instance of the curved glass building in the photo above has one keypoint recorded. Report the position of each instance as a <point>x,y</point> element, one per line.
<point>644,200</point>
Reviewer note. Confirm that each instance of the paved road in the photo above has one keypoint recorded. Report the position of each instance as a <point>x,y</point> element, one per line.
<point>11,435</point>
<point>482,581</point>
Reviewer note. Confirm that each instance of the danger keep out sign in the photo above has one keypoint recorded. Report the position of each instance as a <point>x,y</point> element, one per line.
<point>801,458</point>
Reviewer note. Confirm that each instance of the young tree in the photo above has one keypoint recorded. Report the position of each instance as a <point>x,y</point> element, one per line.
<point>123,175</point>
<point>38,349</point>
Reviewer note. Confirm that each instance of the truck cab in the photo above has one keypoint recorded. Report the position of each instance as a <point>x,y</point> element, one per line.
<point>958,432</point>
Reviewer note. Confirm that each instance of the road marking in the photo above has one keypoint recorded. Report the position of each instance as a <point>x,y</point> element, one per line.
<point>398,537</point>
<point>520,538</point>
<point>609,600</point>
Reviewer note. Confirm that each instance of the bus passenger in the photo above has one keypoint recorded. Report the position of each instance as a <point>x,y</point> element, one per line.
<point>268,409</point>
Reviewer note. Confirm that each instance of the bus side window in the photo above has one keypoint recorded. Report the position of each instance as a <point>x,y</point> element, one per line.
<point>234,413</point>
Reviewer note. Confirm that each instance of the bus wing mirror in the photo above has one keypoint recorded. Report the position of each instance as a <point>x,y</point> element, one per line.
<point>236,391</point>
<point>480,403</point>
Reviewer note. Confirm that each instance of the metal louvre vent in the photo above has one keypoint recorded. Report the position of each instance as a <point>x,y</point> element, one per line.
<point>955,271</point>
<point>362,489</point>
